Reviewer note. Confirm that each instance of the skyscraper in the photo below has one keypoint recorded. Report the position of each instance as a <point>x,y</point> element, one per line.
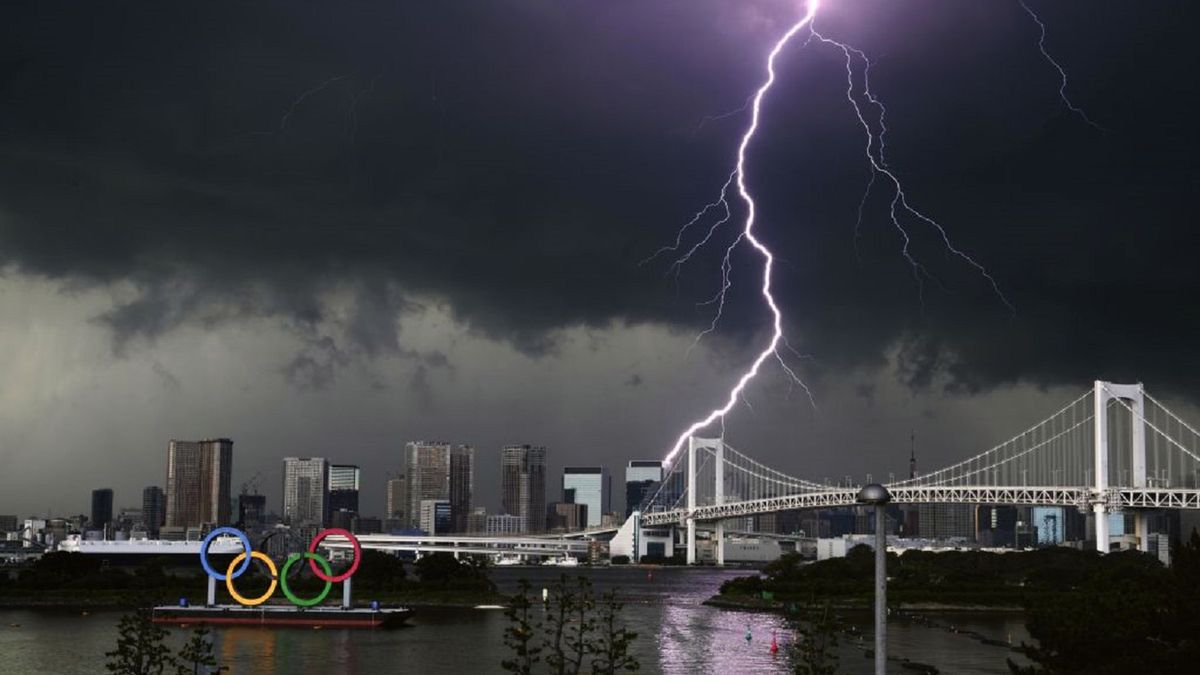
<point>396,500</point>
<point>641,479</point>
<point>198,475</point>
<point>343,487</point>
<point>102,508</point>
<point>462,486</point>
<point>523,484</point>
<point>252,511</point>
<point>427,471</point>
<point>304,487</point>
<point>153,509</point>
<point>592,486</point>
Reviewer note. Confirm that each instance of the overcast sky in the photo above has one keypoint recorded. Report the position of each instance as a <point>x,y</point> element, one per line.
<point>329,228</point>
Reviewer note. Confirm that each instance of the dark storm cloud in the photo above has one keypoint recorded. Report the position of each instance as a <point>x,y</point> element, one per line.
<point>515,160</point>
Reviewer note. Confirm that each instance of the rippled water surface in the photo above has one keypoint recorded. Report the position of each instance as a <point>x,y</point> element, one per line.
<point>676,634</point>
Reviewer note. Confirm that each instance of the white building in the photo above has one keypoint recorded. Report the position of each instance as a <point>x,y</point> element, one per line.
<point>304,490</point>
<point>505,523</point>
<point>591,486</point>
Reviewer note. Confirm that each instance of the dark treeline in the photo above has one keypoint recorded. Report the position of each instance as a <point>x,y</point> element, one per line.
<point>1088,613</point>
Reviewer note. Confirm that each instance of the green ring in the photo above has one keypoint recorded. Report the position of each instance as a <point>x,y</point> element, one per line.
<point>301,602</point>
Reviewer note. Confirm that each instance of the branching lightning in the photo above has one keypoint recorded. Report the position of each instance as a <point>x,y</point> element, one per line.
<point>877,161</point>
<point>739,180</point>
<point>871,114</point>
<point>1062,74</point>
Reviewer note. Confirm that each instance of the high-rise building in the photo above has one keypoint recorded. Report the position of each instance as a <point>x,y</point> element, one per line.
<point>427,471</point>
<point>946,521</point>
<point>153,509</point>
<point>8,523</point>
<point>343,488</point>
<point>102,508</point>
<point>252,511</point>
<point>198,475</point>
<point>642,477</point>
<point>438,471</point>
<point>462,485</point>
<point>592,486</point>
<point>523,485</point>
<point>566,517</point>
<point>435,516</point>
<point>396,500</point>
<point>304,488</point>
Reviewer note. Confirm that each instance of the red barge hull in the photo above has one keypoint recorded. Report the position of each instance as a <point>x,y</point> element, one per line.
<point>282,615</point>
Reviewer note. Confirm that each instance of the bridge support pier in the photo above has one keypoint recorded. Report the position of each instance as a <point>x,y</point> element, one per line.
<point>1141,530</point>
<point>720,535</point>
<point>691,540</point>
<point>1101,516</point>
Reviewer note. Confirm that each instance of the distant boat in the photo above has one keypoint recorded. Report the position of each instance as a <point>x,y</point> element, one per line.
<point>507,560</point>
<point>567,561</point>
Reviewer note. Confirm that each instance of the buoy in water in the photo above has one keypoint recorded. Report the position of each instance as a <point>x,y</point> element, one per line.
<point>748,635</point>
<point>774,644</point>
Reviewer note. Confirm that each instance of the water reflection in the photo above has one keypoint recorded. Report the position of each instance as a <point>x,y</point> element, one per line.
<point>676,635</point>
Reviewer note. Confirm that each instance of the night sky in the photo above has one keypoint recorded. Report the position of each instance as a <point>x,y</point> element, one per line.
<point>329,228</point>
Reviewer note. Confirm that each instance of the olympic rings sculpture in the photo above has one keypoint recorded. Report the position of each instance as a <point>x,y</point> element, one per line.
<point>279,578</point>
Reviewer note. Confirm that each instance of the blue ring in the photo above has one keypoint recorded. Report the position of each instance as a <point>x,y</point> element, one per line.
<point>213,535</point>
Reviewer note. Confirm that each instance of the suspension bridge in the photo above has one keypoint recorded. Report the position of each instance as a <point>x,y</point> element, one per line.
<point>1114,448</point>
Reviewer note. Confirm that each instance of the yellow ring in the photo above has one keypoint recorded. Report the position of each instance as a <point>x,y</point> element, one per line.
<point>251,602</point>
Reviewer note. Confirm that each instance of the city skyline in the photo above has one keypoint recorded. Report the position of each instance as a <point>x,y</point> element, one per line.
<point>247,256</point>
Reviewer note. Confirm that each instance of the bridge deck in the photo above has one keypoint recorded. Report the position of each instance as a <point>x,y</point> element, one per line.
<point>1081,497</point>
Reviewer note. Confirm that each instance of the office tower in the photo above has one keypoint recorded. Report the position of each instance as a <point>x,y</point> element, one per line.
<point>566,516</point>
<point>641,479</point>
<point>523,485</point>
<point>435,516</point>
<point>252,512</point>
<point>427,469</point>
<point>946,521</point>
<point>102,508</point>
<point>343,488</point>
<point>996,525</point>
<point>462,485</point>
<point>477,520</point>
<point>304,487</point>
<point>198,475</point>
<point>153,509</point>
<point>396,500</point>
<point>592,486</point>
<point>8,524</point>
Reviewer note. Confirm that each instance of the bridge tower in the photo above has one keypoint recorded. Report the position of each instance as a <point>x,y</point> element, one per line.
<point>1134,397</point>
<point>717,445</point>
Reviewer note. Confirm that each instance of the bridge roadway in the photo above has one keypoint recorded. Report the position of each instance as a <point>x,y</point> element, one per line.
<point>524,546</point>
<point>1081,497</point>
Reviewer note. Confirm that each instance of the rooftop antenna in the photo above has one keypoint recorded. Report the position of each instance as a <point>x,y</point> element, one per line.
<point>912,458</point>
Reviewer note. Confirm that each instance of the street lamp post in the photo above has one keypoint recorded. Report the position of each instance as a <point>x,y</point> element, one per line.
<point>877,495</point>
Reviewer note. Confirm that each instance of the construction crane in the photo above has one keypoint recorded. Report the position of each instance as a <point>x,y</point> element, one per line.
<point>251,485</point>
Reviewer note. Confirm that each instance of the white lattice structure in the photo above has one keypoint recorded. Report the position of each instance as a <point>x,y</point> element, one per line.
<point>1114,448</point>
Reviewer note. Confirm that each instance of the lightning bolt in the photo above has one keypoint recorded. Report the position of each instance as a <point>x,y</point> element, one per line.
<point>877,161</point>
<point>900,208</point>
<point>1062,74</point>
<point>739,181</point>
<point>283,121</point>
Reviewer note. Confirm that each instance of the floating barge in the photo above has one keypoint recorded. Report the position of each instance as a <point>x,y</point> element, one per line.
<point>282,615</point>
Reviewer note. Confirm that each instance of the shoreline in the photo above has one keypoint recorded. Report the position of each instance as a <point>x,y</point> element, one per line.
<point>750,604</point>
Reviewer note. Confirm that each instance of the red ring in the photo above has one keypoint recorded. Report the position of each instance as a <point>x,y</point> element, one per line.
<point>312,548</point>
